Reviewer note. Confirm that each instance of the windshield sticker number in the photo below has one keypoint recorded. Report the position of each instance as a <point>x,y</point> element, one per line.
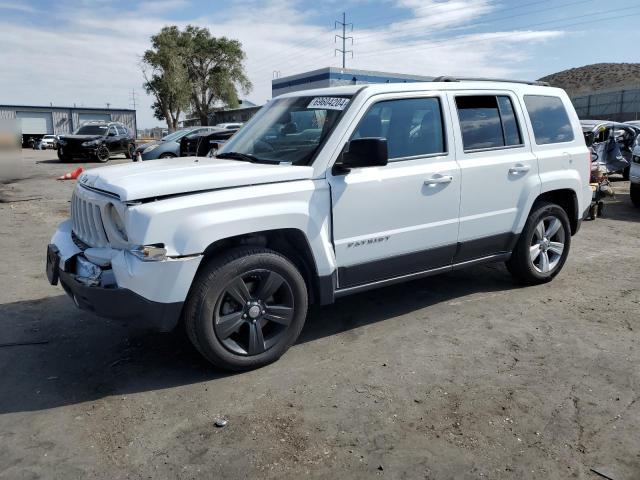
<point>329,103</point>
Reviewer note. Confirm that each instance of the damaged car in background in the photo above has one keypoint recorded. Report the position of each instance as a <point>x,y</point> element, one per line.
<point>612,143</point>
<point>168,146</point>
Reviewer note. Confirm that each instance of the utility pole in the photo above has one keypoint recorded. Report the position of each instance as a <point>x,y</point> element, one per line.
<point>108,105</point>
<point>133,98</point>
<point>344,38</point>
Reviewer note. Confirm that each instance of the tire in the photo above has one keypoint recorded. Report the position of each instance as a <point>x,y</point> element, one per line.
<point>528,264</point>
<point>130,150</point>
<point>102,154</point>
<point>634,194</point>
<point>226,328</point>
<point>62,157</point>
<point>167,155</point>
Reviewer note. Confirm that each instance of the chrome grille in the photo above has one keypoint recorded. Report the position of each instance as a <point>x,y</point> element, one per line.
<point>86,219</point>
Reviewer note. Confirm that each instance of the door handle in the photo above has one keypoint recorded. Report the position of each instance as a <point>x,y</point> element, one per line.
<point>437,179</point>
<point>519,168</point>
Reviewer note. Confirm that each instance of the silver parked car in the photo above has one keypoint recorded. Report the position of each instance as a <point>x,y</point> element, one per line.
<point>168,146</point>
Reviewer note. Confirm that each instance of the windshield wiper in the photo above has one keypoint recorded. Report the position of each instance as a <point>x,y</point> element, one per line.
<point>245,157</point>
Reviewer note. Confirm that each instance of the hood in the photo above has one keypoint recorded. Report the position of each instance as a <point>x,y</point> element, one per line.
<point>136,181</point>
<point>84,138</point>
<point>145,145</point>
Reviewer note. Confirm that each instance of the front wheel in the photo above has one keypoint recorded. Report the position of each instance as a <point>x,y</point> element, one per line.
<point>543,245</point>
<point>246,308</point>
<point>62,157</point>
<point>103,154</point>
<point>634,193</point>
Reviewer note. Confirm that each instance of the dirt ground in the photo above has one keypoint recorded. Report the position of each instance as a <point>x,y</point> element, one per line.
<point>459,376</point>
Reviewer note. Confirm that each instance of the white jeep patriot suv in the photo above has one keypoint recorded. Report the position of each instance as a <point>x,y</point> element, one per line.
<point>326,193</point>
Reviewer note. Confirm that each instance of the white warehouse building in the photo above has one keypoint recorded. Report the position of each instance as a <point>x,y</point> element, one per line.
<point>36,121</point>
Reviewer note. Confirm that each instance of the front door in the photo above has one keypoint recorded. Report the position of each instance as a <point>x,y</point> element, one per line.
<point>401,218</point>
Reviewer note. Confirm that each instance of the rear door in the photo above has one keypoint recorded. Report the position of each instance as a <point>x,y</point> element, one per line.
<point>402,218</point>
<point>498,168</point>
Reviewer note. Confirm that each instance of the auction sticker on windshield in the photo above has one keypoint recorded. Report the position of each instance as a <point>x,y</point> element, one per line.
<point>329,103</point>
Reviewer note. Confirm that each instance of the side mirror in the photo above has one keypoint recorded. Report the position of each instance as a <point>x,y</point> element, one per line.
<point>365,152</point>
<point>589,137</point>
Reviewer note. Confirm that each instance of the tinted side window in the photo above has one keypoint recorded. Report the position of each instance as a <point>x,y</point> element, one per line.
<point>412,127</point>
<point>509,122</point>
<point>487,121</point>
<point>549,119</point>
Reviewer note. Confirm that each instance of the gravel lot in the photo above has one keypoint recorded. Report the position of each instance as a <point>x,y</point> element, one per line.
<point>460,376</point>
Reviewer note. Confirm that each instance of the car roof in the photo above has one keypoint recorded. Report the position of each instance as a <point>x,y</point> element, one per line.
<point>379,88</point>
<point>101,122</point>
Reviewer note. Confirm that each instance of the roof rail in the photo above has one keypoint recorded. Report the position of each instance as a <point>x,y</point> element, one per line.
<point>483,79</point>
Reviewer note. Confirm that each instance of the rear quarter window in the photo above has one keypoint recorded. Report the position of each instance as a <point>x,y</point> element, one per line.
<point>549,119</point>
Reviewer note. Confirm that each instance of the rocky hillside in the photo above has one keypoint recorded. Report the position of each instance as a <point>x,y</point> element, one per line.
<point>599,76</point>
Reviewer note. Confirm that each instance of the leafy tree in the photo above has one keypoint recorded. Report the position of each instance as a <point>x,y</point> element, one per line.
<point>192,69</point>
<point>215,70</point>
<point>166,76</point>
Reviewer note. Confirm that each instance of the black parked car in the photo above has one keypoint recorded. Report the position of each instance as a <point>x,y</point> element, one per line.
<point>97,141</point>
<point>201,144</point>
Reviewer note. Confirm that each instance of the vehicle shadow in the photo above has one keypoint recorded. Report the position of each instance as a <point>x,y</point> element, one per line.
<point>56,161</point>
<point>620,208</point>
<point>87,358</point>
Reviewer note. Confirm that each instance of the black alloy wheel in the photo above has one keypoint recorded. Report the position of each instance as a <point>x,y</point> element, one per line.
<point>103,154</point>
<point>254,312</point>
<point>246,307</point>
<point>131,151</point>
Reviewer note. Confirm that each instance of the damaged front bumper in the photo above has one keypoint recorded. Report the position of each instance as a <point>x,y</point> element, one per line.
<point>149,293</point>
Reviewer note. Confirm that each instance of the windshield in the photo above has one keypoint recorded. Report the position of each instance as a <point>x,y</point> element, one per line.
<point>92,130</point>
<point>175,135</point>
<point>288,130</point>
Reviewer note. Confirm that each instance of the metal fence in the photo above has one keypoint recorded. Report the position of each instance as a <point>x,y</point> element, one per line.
<point>620,105</point>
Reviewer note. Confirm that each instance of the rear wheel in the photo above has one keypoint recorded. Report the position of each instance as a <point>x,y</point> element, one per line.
<point>634,193</point>
<point>167,155</point>
<point>130,151</point>
<point>246,308</point>
<point>543,245</point>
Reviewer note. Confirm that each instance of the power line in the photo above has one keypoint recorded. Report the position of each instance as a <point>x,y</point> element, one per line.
<point>266,62</point>
<point>462,41</point>
<point>344,38</point>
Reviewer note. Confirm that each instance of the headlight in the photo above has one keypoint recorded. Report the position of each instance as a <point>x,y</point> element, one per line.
<point>92,143</point>
<point>117,222</point>
<point>150,148</point>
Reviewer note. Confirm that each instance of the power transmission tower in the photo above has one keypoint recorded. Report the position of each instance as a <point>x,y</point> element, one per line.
<point>344,38</point>
<point>133,98</point>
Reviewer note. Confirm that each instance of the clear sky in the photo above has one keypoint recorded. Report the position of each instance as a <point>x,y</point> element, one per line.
<point>88,52</point>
